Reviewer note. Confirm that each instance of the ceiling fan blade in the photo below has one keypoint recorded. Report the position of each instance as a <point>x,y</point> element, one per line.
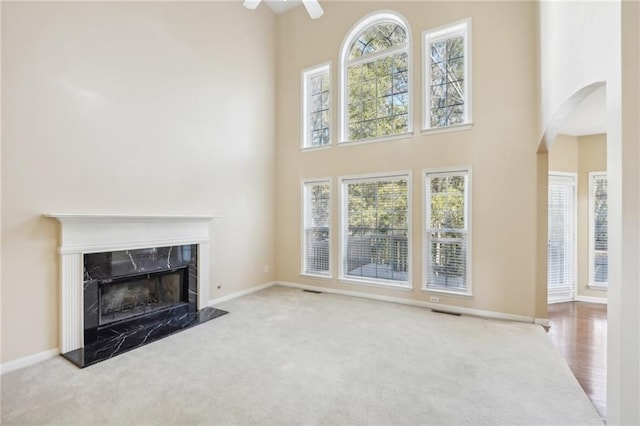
<point>313,8</point>
<point>251,4</point>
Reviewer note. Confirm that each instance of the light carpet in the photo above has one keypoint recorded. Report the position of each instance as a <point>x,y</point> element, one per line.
<point>284,356</point>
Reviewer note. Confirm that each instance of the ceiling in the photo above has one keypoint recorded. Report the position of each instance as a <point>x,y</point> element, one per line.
<point>589,117</point>
<point>282,6</point>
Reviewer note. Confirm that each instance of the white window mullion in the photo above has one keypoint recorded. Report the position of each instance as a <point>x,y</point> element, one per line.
<point>378,55</point>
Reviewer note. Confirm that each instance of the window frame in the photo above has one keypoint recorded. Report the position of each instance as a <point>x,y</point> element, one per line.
<point>306,183</point>
<point>378,17</point>
<point>592,284</point>
<point>307,74</point>
<point>344,194</point>
<point>426,215</point>
<point>569,179</point>
<point>462,27</point>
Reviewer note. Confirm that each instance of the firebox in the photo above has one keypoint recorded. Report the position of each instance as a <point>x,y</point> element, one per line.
<point>131,296</point>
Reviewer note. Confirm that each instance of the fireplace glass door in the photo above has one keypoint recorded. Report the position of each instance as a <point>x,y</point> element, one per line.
<point>132,296</point>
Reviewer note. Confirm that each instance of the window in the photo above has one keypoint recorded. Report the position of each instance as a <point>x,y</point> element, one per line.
<point>598,230</point>
<point>375,64</point>
<point>561,251</point>
<point>447,88</point>
<point>375,230</point>
<point>316,107</point>
<point>447,225</point>
<point>317,227</point>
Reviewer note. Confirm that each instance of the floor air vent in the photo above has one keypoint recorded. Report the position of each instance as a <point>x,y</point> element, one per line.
<point>445,312</point>
<point>313,291</point>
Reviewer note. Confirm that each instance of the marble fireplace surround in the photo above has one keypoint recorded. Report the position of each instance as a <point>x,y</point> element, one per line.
<point>96,233</point>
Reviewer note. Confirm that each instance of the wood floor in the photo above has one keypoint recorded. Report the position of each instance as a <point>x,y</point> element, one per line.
<point>579,330</point>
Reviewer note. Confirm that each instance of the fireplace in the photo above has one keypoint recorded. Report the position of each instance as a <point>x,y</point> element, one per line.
<point>127,281</point>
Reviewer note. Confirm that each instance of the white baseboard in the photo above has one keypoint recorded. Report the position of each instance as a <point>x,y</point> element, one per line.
<point>27,361</point>
<point>43,356</point>
<point>542,321</point>
<point>437,306</point>
<point>240,293</point>
<point>591,299</point>
<point>560,300</point>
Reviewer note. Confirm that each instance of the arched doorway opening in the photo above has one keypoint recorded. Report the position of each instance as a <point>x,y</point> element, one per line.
<point>572,168</point>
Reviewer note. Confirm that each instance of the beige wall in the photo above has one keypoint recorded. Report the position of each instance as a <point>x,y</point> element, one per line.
<point>563,154</point>
<point>581,155</point>
<point>592,157</point>
<point>500,147</point>
<point>138,108</point>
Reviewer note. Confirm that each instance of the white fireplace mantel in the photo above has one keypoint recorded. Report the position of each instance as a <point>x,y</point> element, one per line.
<point>95,233</point>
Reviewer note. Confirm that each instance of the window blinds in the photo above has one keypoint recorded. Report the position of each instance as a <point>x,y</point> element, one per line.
<point>376,228</point>
<point>599,229</point>
<point>561,235</point>
<point>317,223</point>
<point>447,231</point>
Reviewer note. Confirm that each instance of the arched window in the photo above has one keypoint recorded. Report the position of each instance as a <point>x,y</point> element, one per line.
<point>375,75</point>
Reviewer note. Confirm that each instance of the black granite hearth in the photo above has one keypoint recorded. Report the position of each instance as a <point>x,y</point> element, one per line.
<point>121,337</point>
<point>134,297</point>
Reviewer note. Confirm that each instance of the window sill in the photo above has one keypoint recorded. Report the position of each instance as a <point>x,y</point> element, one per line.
<point>456,128</point>
<point>599,287</point>
<point>374,140</point>
<point>447,292</point>
<point>315,148</point>
<point>311,275</point>
<point>379,284</point>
